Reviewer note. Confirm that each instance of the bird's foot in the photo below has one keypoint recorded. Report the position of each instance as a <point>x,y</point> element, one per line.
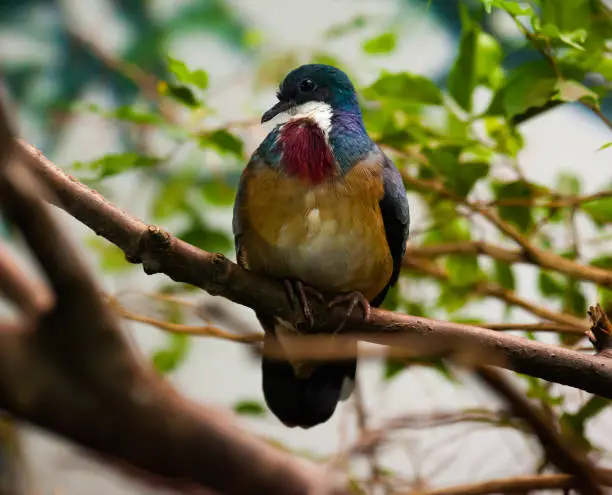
<point>353,299</point>
<point>297,290</point>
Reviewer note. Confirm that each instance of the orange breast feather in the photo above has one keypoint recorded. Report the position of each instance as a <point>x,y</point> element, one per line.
<point>330,236</point>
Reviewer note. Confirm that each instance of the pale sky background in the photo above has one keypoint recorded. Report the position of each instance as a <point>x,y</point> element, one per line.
<point>220,373</point>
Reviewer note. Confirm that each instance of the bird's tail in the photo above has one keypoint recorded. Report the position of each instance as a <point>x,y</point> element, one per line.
<point>310,398</point>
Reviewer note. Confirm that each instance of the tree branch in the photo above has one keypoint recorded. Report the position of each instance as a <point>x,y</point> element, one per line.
<point>491,289</point>
<point>567,458</point>
<point>518,484</point>
<point>530,252</point>
<point>160,252</point>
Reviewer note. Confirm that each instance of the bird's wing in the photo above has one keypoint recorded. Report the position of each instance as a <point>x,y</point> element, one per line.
<point>396,219</point>
<point>238,220</point>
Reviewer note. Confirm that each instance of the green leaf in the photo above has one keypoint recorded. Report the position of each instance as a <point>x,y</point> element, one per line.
<point>385,43</point>
<point>182,94</point>
<point>462,76</point>
<point>169,358</point>
<point>206,238</point>
<point>460,177</point>
<point>405,87</point>
<point>567,15</point>
<point>576,422</point>
<point>574,300</point>
<point>550,284</point>
<point>197,77</point>
<point>392,368</point>
<point>112,259</point>
<point>250,408</point>
<point>530,85</point>
<point>604,146</point>
<point>599,210</point>
<point>508,139</point>
<point>453,298</point>
<point>504,275</point>
<point>520,216</point>
<point>463,270</point>
<point>218,192</point>
<point>604,262</point>
<point>347,27</point>
<point>171,195</point>
<point>222,141</point>
<point>113,164</point>
<point>511,6</point>
<point>538,389</point>
<point>136,116</point>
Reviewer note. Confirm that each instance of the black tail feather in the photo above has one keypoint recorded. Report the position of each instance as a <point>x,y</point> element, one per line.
<point>305,402</point>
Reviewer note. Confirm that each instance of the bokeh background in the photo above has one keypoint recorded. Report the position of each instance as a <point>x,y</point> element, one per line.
<point>68,63</point>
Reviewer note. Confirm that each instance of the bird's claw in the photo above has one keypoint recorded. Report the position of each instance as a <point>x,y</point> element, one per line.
<point>297,290</point>
<point>354,299</point>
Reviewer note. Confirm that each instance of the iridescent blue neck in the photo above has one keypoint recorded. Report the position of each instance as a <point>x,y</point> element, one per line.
<point>348,137</point>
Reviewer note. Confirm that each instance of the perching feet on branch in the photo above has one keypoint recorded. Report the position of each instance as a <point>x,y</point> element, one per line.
<point>353,299</point>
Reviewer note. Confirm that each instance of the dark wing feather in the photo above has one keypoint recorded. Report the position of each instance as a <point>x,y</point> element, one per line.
<point>396,219</point>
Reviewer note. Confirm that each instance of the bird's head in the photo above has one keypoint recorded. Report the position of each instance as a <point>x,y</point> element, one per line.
<point>314,90</point>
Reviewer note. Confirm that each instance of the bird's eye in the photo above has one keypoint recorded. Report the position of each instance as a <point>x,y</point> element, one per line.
<point>307,85</point>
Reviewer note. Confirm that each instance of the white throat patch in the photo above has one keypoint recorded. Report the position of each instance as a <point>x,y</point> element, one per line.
<point>317,111</point>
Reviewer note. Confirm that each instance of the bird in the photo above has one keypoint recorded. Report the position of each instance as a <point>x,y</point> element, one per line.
<point>321,207</point>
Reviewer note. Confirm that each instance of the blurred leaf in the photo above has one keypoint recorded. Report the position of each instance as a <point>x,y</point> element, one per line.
<point>604,146</point>
<point>550,284</point>
<point>576,422</point>
<point>566,16</point>
<point>511,6</point>
<point>459,177</point>
<point>575,302</point>
<point>171,195</point>
<point>463,270</point>
<point>206,238</point>
<point>520,216</point>
<point>112,259</point>
<point>113,164</point>
<point>223,141</point>
<point>504,275</point>
<point>453,298</point>
<point>392,368</point>
<point>568,184</point>
<point>182,94</point>
<point>604,262</point>
<point>599,210</point>
<point>196,77</point>
<point>218,192</point>
<point>530,85</point>
<point>508,139</point>
<point>250,408</point>
<point>385,43</point>
<point>347,27</point>
<point>169,358</point>
<point>405,87</point>
<point>538,389</point>
<point>477,62</point>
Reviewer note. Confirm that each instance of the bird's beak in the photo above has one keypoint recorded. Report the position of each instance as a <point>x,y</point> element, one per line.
<point>280,107</point>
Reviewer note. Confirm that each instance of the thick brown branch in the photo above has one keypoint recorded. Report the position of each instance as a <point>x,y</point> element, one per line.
<point>31,298</point>
<point>160,252</point>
